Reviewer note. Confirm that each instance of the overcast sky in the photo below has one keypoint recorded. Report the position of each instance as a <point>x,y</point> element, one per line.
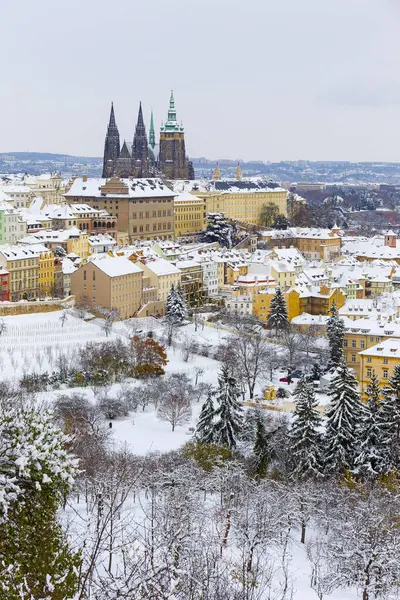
<point>254,79</point>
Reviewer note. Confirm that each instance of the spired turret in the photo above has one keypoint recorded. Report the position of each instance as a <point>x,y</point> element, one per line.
<point>238,173</point>
<point>217,173</point>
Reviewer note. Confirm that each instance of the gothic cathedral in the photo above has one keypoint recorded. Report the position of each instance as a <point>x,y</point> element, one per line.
<point>142,159</point>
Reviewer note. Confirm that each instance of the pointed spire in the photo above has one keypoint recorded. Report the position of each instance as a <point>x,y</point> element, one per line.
<point>217,173</point>
<point>112,116</point>
<point>140,121</point>
<point>238,173</point>
<point>152,135</point>
<point>171,123</point>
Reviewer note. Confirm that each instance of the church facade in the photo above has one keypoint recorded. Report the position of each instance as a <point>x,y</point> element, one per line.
<point>141,159</point>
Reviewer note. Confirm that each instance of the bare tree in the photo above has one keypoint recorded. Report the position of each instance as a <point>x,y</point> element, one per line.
<point>174,407</point>
<point>249,354</point>
<point>292,342</point>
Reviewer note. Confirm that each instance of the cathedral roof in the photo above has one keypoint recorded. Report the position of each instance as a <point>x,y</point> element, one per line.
<point>124,151</point>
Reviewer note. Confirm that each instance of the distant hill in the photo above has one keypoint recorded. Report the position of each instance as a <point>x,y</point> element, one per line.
<point>48,156</point>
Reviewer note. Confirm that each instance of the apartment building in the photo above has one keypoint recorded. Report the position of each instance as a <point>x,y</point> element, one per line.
<point>144,208</point>
<point>70,240</point>
<point>191,281</point>
<point>109,282</point>
<point>381,358</point>
<point>46,273</point>
<point>12,227</point>
<point>22,263</point>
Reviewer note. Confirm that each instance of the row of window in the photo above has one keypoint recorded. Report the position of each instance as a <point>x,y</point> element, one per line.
<point>156,227</point>
<point>362,342</point>
<point>155,213</point>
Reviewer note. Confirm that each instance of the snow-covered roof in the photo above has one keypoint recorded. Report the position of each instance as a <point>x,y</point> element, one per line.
<point>226,186</point>
<point>22,252</point>
<point>135,188</point>
<point>187,197</point>
<point>102,239</point>
<point>115,266</point>
<point>186,264</point>
<point>161,267</point>
<point>388,348</point>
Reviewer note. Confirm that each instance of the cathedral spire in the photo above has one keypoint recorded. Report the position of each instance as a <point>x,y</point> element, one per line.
<point>112,117</point>
<point>111,145</point>
<point>152,135</point>
<point>140,148</point>
<point>140,122</point>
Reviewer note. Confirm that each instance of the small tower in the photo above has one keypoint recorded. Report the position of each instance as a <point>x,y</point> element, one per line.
<point>335,230</point>
<point>217,173</point>
<point>111,146</point>
<point>152,135</point>
<point>238,173</point>
<point>390,239</point>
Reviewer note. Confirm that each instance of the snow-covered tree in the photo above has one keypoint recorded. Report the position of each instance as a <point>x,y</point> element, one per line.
<point>335,331</point>
<point>229,413</point>
<point>176,308</point>
<point>36,472</point>
<point>220,229</point>
<point>371,455</point>
<point>305,437</point>
<point>390,420</point>
<point>343,418</point>
<point>205,424</point>
<point>278,315</point>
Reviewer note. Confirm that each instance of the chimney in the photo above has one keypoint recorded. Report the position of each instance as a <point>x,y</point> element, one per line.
<point>84,178</point>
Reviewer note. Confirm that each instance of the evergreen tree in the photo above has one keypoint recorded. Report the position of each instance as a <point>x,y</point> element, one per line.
<point>175,307</point>
<point>229,413</point>
<point>220,229</point>
<point>205,425</point>
<point>261,450</point>
<point>390,420</point>
<point>36,473</point>
<point>335,331</point>
<point>370,460</point>
<point>305,438</point>
<point>343,417</point>
<point>278,315</point>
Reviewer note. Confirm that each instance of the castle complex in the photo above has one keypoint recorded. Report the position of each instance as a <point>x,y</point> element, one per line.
<point>142,160</point>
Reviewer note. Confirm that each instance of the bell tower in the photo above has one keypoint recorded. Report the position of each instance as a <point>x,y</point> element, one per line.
<point>172,161</point>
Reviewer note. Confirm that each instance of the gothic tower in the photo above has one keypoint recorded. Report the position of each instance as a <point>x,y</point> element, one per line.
<point>140,148</point>
<point>111,146</point>
<point>173,162</point>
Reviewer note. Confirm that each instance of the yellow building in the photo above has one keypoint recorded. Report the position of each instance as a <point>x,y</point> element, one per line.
<point>262,301</point>
<point>46,273</point>
<point>319,244</point>
<point>189,214</point>
<point>284,273</point>
<point>22,262</point>
<point>240,200</point>
<point>162,275</point>
<point>71,240</point>
<point>381,358</point>
<point>233,271</point>
<point>364,334</point>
